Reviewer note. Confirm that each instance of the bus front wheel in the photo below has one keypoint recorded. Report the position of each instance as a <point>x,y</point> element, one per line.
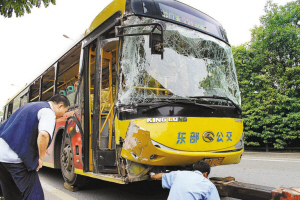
<point>67,162</point>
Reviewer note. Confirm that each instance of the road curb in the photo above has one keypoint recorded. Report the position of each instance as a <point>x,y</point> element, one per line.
<point>271,155</point>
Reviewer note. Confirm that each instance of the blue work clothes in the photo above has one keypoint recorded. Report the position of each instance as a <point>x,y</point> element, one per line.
<point>19,154</point>
<point>20,132</point>
<point>189,185</point>
<point>47,118</point>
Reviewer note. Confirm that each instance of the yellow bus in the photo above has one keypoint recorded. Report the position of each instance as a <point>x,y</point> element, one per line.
<point>153,88</point>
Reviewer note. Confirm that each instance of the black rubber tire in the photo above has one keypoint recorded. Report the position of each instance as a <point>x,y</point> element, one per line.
<point>67,163</point>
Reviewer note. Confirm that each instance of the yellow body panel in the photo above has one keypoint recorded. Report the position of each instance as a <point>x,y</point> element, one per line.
<point>140,137</point>
<point>227,132</point>
<point>108,11</point>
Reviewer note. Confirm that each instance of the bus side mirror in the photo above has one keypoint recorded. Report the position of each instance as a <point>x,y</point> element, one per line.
<point>156,40</point>
<point>156,44</point>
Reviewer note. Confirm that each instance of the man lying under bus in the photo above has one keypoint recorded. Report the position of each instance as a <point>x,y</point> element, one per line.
<point>189,185</point>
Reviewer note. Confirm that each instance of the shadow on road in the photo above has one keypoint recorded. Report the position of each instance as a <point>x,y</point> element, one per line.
<point>98,189</point>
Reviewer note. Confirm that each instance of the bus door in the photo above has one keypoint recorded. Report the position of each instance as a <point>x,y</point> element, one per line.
<point>104,89</point>
<point>91,96</point>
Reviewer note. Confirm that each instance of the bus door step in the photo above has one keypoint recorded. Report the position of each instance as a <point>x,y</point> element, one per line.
<point>106,161</point>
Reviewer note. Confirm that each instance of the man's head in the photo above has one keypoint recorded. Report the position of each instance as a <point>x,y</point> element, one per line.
<point>203,167</point>
<point>60,104</point>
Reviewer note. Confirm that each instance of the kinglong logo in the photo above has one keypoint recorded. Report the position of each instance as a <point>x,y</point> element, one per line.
<point>166,119</point>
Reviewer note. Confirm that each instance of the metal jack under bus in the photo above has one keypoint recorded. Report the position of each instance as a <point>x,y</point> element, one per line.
<point>228,187</point>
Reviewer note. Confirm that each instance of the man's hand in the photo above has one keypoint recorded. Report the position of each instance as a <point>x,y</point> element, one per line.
<point>156,176</point>
<point>40,164</point>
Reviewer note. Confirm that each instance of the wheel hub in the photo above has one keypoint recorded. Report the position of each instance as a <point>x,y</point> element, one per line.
<point>66,158</point>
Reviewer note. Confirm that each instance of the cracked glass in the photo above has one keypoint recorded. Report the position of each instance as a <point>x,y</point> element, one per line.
<point>194,65</point>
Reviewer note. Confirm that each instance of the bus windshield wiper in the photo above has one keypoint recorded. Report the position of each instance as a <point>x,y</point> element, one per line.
<point>239,109</point>
<point>168,102</point>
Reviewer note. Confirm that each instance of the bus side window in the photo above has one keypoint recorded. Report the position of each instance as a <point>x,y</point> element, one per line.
<point>4,113</point>
<point>35,90</point>
<point>10,109</point>
<point>24,99</point>
<point>48,84</point>
<point>68,68</point>
<point>16,103</point>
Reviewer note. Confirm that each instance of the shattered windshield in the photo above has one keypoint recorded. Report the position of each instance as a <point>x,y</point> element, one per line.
<point>194,64</point>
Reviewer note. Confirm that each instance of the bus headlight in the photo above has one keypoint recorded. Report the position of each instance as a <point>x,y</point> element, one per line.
<point>240,143</point>
<point>158,145</point>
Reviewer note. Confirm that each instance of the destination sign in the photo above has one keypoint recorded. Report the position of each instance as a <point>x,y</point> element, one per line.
<point>186,18</point>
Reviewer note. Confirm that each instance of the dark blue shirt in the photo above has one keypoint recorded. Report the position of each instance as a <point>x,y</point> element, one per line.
<point>20,132</point>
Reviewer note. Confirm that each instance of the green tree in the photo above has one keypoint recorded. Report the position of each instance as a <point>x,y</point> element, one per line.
<point>19,7</point>
<point>269,75</point>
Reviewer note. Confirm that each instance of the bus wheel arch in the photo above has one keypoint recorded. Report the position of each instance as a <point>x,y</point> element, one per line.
<point>57,148</point>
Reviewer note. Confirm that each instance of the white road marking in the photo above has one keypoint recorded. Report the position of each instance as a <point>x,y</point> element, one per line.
<point>57,192</point>
<point>273,160</point>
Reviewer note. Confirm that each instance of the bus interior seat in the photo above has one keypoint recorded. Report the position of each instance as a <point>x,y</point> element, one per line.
<point>70,89</point>
<point>62,92</point>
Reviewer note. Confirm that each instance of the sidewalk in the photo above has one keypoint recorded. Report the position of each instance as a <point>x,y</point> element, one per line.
<point>271,155</point>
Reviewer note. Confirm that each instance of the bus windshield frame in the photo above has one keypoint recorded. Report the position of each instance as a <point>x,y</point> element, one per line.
<point>195,64</point>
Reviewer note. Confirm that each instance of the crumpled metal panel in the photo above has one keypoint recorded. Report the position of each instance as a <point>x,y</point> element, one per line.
<point>135,148</point>
<point>136,142</point>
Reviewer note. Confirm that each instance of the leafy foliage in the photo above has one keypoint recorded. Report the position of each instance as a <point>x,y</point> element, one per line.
<point>19,7</point>
<point>269,76</point>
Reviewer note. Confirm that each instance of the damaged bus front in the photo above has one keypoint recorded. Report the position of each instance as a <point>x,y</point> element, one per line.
<point>152,86</point>
<point>178,98</point>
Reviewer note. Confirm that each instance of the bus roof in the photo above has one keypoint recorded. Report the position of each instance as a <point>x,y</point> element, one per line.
<point>9,100</point>
<point>112,8</point>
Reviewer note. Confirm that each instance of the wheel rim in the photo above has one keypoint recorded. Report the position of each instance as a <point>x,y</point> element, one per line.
<point>67,162</point>
<point>67,158</point>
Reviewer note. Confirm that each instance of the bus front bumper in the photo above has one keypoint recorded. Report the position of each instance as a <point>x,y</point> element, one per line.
<point>138,147</point>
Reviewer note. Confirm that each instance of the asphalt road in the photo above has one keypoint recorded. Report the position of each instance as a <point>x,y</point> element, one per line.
<point>52,183</point>
<point>268,169</point>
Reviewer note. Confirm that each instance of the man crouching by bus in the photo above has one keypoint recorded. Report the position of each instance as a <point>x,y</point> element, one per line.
<point>24,138</point>
<point>189,185</point>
